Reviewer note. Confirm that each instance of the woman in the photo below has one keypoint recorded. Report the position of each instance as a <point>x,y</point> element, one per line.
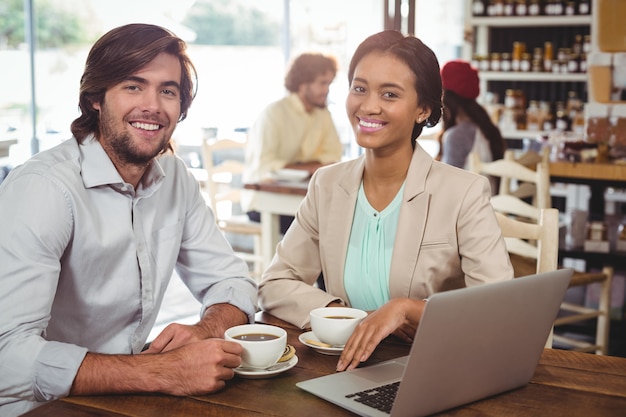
<point>466,125</point>
<point>392,227</point>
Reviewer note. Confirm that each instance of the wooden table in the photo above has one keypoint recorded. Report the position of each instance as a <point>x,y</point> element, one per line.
<point>566,384</point>
<point>275,198</point>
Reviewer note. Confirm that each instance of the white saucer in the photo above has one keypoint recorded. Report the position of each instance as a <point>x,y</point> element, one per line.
<point>263,373</point>
<point>335,350</point>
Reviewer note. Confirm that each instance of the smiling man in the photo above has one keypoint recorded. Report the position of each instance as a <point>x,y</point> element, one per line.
<point>92,231</point>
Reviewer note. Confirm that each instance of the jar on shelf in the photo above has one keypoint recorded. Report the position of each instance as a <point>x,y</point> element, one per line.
<point>570,8</point>
<point>577,46</point>
<point>525,63</point>
<point>533,116</point>
<point>548,56</point>
<point>534,8</point>
<point>495,8</point>
<point>597,231</point>
<point>508,8</point>
<point>519,48</point>
<point>582,64</point>
<point>573,63</point>
<point>483,63</point>
<point>587,44</point>
<point>597,237</point>
<point>505,62</point>
<point>546,116</point>
<point>494,63</point>
<point>521,8</point>
<point>584,7</point>
<point>478,8</point>
<point>562,122</point>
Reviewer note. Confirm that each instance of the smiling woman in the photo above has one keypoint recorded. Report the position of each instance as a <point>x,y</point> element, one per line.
<point>408,226</point>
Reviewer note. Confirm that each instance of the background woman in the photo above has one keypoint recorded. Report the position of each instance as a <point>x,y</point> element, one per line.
<point>466,125</point>
<point>391,227</point>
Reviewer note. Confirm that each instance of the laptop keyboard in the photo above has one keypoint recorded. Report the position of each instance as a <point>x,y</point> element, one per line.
<point>380,398</point>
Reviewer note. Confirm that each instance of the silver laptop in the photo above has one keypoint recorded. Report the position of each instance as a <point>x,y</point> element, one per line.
<point>471,343</point>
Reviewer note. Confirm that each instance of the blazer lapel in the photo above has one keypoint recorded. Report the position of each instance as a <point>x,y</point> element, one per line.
<point>411,225</point>
<point>341,214</point>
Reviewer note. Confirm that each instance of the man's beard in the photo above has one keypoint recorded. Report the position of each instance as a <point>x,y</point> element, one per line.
<point>122,143</point>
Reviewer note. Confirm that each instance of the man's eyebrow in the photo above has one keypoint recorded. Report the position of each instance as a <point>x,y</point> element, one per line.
<point>141,80</point>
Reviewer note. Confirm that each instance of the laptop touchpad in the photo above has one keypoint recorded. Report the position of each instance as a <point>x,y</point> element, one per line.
<point>386,372</point>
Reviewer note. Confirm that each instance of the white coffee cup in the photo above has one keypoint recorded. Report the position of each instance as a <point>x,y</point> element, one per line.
<point>334,325</point>
<point>263,344</point>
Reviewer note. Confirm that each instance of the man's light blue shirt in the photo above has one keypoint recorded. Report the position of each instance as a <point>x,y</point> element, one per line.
<point>85,260</point>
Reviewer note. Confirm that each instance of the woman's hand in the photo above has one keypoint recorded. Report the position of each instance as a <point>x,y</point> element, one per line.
<point>399,317</point>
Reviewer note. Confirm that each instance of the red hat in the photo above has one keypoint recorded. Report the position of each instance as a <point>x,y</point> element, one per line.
<point>460,77</point>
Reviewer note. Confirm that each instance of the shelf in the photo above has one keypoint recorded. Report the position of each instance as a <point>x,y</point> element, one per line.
<point>521,134</point>
<point>527,21</point>
<point>532,76</point>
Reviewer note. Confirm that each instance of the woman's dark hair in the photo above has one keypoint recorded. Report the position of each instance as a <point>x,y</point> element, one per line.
<point>306,67</point>
<point>118,54</point>
<point>452,102</point>
<point>422,62</point>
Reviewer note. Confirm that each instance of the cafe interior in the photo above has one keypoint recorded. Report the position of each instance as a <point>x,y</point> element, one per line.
<point>552,78</point>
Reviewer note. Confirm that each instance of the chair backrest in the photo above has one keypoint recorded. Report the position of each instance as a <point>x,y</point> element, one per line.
<point>508,170</point>
<point>223,161</point>
<point>529,231</point>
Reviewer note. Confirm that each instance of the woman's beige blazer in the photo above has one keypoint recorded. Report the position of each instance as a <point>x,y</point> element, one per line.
<point>448,237</point>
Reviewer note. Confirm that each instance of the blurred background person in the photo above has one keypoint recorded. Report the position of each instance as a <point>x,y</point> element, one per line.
<point>467,126</point>
<point>296,131</point>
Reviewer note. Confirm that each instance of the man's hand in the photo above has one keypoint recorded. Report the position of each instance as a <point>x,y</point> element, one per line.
<point>194,369</point>
<point>216,320</point>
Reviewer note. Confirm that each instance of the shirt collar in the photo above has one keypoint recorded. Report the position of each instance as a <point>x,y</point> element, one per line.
<point>295,100</point>
<point>98,169</point>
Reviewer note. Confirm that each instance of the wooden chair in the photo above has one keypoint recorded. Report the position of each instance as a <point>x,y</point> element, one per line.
<point>538,252</point>
<point>537,241</point>
<point>531,183</point>
<point>223,186</point>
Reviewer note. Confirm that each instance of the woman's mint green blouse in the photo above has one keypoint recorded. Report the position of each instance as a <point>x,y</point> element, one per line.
<point>368,261</point>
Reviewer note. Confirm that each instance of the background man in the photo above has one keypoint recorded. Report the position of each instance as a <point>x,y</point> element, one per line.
<point>296,131</point>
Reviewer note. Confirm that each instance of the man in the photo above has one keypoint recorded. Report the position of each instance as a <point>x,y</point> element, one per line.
<point>92,230</point>
<point>296,131</point>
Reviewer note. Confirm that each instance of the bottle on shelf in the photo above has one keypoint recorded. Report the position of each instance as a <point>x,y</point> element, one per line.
<point>534,8</point>
<point>516,56</point>
<point>546,116</point>
<point>521,8</point>
<point>548,56</point>
<point>584,7</point>
<point>533,116</point>
<point>508,8</point>
<point>478,8</point>
<point>562,122</point>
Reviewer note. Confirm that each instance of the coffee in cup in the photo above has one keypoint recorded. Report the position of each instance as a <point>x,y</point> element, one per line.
<point>334,325</point>
<point>263,344</point>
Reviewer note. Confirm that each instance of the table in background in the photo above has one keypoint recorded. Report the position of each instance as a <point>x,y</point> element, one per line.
<point>5,145</point>
<point>275,198</point>
<point>565,384</point>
